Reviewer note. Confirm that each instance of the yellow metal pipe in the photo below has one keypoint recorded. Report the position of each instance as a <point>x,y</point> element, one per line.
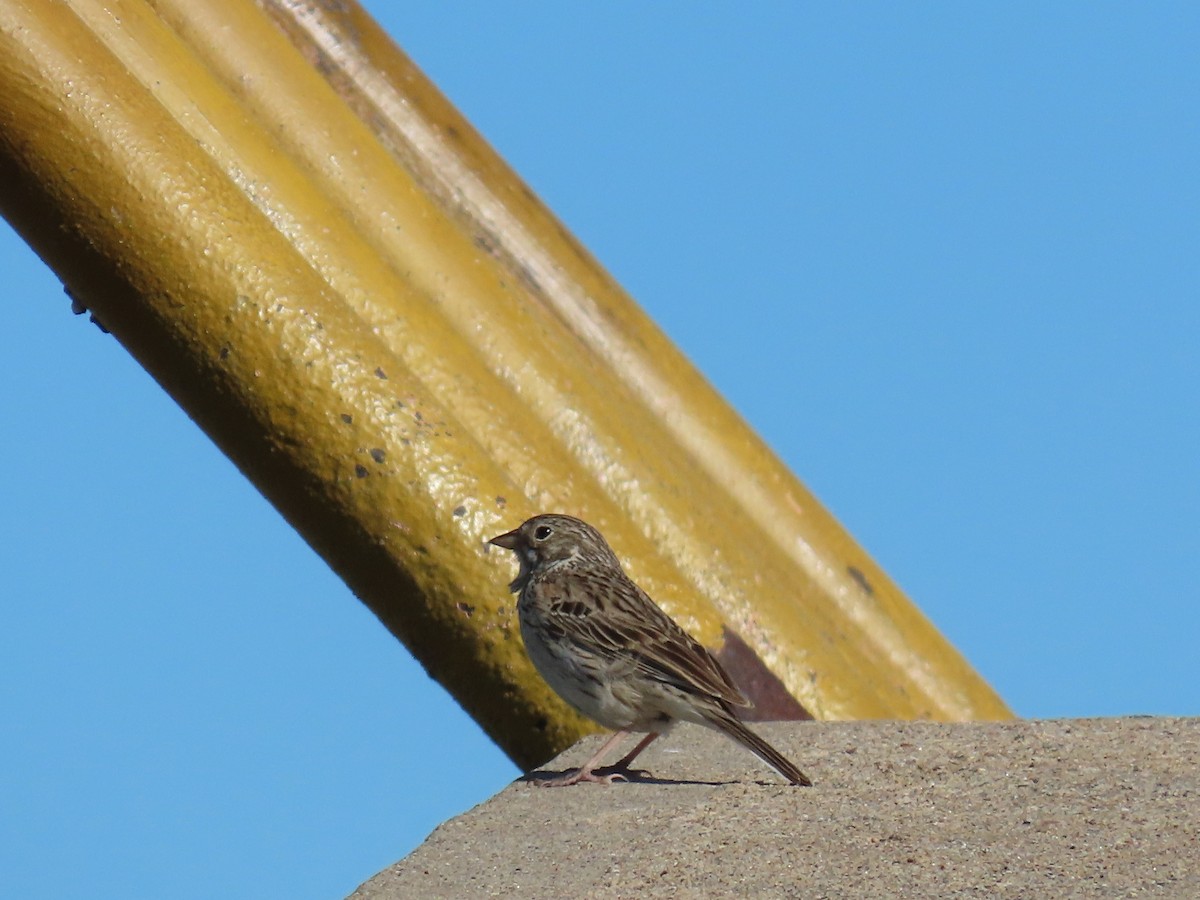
<point>349,291</point>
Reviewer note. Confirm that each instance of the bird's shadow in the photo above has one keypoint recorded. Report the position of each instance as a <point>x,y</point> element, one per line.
<point>628,776</point>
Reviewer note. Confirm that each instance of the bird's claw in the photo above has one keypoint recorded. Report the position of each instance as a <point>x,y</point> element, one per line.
<point>607,775</point>
<point>572,777</point>
<point>622,773</point>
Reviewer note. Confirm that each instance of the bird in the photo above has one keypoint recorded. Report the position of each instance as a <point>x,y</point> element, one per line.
<point>612,653</point>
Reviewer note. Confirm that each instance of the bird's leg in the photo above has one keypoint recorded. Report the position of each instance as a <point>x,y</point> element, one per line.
<point>584,773</point>
<point>621,769</point>
<point>632,754</point>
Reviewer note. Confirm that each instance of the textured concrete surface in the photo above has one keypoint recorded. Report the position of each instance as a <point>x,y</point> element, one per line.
<point>1062,808</point>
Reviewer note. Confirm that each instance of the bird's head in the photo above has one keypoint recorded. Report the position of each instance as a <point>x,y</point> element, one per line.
<point>551,540</point>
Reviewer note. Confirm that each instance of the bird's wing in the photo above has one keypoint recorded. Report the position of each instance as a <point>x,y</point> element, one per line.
<point>620,620</point>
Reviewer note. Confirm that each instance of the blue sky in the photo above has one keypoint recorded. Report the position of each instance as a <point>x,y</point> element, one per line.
<point>943,257</point>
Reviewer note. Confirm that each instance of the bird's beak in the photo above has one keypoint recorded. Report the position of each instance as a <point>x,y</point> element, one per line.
<point>508,540</point>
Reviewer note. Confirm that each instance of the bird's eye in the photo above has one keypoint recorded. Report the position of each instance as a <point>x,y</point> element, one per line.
<point>542,532</point>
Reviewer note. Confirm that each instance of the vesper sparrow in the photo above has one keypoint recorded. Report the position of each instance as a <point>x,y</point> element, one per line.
<point>609,651</point>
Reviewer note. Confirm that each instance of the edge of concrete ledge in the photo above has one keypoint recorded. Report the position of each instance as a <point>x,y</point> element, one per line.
<point>1024,808</point>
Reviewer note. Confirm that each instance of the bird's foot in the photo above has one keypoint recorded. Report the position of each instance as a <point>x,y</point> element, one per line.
<point>619,772</point>
<point>606,775</point>
<point>574,776</point>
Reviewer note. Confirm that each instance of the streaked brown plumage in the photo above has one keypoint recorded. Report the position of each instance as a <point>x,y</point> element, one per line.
<point>607,649</point>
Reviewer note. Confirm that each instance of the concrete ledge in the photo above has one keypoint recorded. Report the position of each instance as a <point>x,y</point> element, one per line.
<point>1060,808</point>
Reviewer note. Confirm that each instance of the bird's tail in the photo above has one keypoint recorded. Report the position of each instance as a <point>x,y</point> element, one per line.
<point>733,727</point>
